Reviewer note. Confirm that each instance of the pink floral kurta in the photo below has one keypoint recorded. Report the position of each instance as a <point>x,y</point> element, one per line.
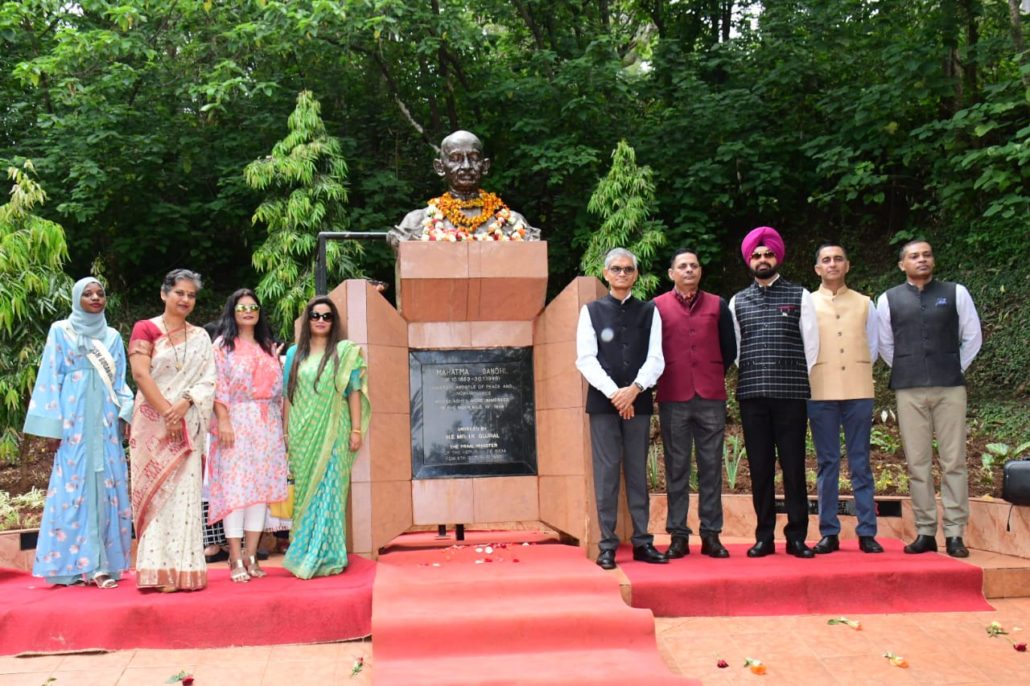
<point>254,470</point>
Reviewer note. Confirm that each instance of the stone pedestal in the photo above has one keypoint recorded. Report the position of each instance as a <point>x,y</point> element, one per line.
<point>455,296</point>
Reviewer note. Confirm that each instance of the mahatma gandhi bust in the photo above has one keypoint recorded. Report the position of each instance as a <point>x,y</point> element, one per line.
<point>465,212</point>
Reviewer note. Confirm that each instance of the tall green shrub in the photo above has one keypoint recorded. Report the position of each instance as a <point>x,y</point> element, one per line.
<point>306,178</point>
<point>33,292</point>
<point>625,202</point>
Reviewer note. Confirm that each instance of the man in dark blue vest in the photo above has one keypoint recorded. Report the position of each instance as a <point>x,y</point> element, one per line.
<point>778,343</point>
<point>619,353</point>
<point>929,335</point>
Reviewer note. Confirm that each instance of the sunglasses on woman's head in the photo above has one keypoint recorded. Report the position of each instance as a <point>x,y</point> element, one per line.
<point>324,316</point>
<point>248,308</point>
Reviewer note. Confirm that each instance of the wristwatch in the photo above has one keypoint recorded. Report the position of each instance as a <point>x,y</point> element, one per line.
<point>639,387</point>
<point>187,397</point>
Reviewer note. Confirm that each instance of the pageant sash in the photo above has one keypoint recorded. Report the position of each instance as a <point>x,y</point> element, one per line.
<point>101,360</point>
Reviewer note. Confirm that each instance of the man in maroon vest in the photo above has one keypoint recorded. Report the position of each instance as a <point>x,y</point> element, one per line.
<point>699,345</point>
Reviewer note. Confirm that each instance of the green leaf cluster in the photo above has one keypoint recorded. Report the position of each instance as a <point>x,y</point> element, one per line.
<point>625,202</point>
<point>33,292</point>
<point>305,178</point>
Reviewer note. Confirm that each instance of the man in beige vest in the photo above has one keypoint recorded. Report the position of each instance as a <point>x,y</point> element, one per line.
<point>842,396</point>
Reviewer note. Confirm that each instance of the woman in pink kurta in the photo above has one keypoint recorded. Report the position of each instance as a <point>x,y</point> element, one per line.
<point>248,454</point>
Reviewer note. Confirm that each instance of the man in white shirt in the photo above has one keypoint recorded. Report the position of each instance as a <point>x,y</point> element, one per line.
<point>619,353</point>
<point>842,398</point>
<point>929,335</point>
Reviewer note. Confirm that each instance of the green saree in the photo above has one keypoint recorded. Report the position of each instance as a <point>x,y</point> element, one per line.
<point>321,460</point>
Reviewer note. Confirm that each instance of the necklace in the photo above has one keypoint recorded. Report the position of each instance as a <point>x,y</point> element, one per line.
<point>185,343</point>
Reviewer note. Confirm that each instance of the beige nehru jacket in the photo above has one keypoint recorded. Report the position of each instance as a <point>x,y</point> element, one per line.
<point>844,369</point>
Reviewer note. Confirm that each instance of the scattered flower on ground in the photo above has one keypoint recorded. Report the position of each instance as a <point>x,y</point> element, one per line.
<point>853,623</point>
<point>756,666</point>
<point>896,660</point>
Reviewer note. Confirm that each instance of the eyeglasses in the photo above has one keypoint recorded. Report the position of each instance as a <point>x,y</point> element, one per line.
<point>324,316</point>
<point>248,308</point>
<point>622,270</point>
<point>768,254</point>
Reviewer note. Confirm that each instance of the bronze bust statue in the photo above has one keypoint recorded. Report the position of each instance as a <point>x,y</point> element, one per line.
<point>465,212</point>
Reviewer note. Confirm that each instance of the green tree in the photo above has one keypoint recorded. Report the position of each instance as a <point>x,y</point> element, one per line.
<point>307,175</point>
<point>33,292</point>
<point>625,202</point>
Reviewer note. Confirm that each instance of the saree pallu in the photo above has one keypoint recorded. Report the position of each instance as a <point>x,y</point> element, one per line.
<point>167,475</point>
<point>321,460</point>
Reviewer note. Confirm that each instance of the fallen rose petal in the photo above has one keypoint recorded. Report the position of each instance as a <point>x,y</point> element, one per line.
<point>1021,647</point>
<point>514,559</point>
<point>188,681</point>
<point>722,664</point>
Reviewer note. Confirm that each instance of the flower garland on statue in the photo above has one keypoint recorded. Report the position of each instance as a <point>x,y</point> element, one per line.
<point>500,225</point>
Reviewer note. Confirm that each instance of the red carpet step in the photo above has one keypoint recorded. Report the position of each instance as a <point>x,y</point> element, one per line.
<point>516,614</point>
<point>845,582</point>
<point>277,609</point>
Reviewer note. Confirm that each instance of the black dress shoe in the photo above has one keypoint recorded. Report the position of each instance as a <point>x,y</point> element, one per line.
<point>922,544</point>
<point>648,553</point>
<point>868,544</point>
<point>955,546</point>
<point>827,544</point>
<point>712,546</point>
<point>761,549</point>
<point>799,549</point>
<point>678,548</point>
<point>606,560</point>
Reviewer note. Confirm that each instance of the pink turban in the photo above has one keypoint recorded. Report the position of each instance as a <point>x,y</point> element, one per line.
<point>763,235</point>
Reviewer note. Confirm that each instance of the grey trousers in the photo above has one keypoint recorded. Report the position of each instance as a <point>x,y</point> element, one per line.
<point>698,424</point>
<point>620,446</point>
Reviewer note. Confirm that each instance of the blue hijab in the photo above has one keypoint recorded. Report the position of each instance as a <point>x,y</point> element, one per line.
<point>86,324</point>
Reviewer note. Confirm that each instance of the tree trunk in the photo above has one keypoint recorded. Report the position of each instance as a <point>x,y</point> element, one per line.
<point>1016,20</point>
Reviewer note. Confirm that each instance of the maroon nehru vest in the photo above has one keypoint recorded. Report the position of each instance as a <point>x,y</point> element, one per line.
<point>690,343</point>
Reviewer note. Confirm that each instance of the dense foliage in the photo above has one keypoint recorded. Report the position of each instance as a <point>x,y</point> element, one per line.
<point>33,292</point>
<point>867,121</point>
<point>308,177</point>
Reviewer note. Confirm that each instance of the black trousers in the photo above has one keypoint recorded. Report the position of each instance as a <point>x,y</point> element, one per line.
<point>776,427</point>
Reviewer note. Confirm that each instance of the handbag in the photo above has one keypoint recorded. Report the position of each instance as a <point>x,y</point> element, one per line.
<point>284,508</point>
<point>1015,485</point>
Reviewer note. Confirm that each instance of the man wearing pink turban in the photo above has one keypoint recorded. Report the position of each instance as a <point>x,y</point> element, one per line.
<point>777,344</point>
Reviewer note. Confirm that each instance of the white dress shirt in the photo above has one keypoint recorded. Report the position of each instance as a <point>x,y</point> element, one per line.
<point>970,336</point>
<point>590,367</point>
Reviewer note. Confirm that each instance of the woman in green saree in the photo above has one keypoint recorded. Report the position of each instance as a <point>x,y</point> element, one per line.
<point>326,389</point>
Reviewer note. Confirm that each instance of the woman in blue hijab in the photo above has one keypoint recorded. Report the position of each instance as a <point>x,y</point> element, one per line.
<point>79,403</point>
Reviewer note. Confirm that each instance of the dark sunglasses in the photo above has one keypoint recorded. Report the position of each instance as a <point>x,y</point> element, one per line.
<point>324,316</point>
<point>768,254</point>
<point>622,270</point>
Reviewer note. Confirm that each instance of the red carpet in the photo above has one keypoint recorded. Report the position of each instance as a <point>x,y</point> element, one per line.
<point>276,609</point>
<point>535,614</point>
<point>847,581</point>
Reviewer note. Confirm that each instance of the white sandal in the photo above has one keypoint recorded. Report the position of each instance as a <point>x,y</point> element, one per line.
<point>237,572</point>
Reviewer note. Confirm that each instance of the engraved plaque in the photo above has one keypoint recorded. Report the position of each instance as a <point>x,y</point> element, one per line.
<point>472,413</point>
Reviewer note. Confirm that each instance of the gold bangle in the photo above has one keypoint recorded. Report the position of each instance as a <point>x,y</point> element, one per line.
<point>356,431</point>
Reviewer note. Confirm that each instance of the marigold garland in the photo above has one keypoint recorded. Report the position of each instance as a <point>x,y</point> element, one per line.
<point>447,208</point>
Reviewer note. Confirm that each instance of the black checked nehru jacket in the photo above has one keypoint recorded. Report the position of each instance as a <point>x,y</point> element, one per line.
<point>772,353</point>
